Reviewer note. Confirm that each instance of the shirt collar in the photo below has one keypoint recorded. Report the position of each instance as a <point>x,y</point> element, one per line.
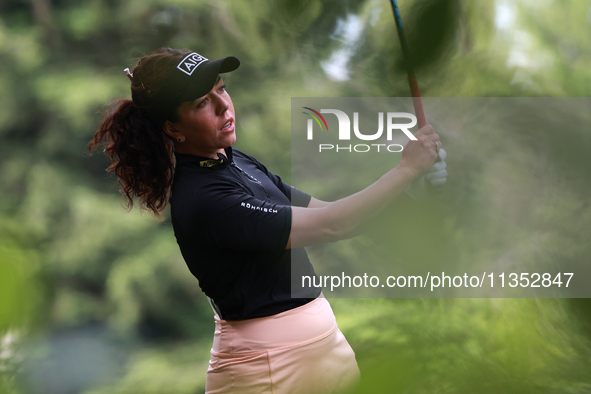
<point>205,163</point>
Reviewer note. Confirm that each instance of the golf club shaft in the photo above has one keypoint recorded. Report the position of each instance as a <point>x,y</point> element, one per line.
<point>412,79</point>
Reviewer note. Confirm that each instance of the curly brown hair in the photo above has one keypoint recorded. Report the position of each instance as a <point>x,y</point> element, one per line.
<point>141,153</point>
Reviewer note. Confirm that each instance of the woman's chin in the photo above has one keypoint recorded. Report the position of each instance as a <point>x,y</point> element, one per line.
<point>231,140</point>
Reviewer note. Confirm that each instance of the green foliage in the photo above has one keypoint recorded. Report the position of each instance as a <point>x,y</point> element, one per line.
<point>173,368</point>
<point>20,291</point>
<point>464,345</point>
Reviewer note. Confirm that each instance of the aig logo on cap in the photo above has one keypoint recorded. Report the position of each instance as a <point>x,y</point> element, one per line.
<point>190,63</point>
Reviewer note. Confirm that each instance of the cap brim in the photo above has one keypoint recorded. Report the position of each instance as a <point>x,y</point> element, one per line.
<point>205,80</point>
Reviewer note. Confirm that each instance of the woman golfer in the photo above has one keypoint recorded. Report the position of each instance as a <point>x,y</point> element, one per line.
<point>241,230</point>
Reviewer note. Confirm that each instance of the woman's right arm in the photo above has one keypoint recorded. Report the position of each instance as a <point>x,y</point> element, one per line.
<point>330,222</point>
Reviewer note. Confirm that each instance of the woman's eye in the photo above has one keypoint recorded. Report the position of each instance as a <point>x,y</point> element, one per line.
<point>222,88</point>
<point>202,103</point>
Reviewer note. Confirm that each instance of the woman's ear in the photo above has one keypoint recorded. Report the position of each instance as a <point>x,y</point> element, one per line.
<point>169,129</point>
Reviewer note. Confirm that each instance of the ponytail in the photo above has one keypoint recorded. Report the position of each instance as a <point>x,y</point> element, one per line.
<point>141,155</point>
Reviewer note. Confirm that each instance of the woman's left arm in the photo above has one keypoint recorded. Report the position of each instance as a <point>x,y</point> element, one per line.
<point>315,203</point>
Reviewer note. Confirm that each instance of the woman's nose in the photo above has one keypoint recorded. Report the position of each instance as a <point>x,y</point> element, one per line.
<point>222,104</point>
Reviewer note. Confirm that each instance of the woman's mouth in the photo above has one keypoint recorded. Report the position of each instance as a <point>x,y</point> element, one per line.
<point>228,126</point>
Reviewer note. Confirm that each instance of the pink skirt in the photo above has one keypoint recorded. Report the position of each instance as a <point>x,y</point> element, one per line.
<point>297,351</point>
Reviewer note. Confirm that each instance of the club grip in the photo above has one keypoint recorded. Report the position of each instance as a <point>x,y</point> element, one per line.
<point>416,100</point>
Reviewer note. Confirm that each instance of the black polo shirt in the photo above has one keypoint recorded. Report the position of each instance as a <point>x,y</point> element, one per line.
<point>232,220</point>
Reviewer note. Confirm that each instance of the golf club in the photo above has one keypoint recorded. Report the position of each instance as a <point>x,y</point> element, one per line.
<point>412,79</point>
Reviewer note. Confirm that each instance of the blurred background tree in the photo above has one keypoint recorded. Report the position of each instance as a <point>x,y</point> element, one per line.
<point>97,300</point>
